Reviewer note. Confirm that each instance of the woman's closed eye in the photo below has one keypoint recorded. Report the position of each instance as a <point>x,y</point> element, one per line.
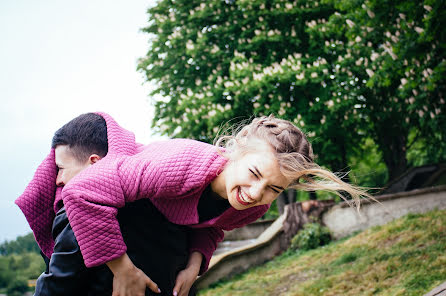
<point>275,190</point>
<point>255,175</point>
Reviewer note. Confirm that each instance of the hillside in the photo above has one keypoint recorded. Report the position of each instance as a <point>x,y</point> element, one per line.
<point>404,257</point>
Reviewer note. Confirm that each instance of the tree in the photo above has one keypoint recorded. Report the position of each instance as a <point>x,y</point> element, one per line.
<point>22,244</point>
<point>6,274</point>
<point>215,61</point>
<point>345,71</point>
<point>397,48</point>
<point>17,287</point>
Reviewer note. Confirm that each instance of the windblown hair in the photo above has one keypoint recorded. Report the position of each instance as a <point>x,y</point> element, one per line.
<point>294,154</point>
<point>85,135</point>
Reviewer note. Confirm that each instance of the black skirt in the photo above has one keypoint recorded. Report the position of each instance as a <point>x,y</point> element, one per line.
<point>155,245</point>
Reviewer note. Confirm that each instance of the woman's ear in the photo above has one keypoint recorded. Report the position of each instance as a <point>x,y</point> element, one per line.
<point>93,158</point>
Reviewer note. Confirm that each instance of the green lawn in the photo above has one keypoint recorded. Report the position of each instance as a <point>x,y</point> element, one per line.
<point>404,257</point>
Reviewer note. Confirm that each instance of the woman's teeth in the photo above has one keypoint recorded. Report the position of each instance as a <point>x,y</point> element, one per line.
<point>244,197</point>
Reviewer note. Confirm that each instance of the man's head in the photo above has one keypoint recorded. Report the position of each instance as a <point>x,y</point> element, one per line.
<point>78,144</point>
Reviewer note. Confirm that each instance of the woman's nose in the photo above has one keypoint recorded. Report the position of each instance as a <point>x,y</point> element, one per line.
<point>257,190</point>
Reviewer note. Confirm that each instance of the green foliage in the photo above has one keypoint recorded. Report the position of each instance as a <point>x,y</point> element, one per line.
<point>20,260</point>
<point>348,257</point>
<point>15,267</point>
<point>310,237</point>
<point>397,49</point>
<point>22,244</point>
<point>6,274</point>
<point>17,287</point>
<point>273,212</point>
<point>344,71</point>
<point>368,168</point>
<point>214,61</point>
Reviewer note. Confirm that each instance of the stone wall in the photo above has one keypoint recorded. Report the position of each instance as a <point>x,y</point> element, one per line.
<point>343,220</point>
<point>250,231</point>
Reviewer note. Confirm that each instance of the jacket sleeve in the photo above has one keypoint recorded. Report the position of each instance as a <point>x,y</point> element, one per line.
<point>205,240</point>
<point>161,171</point>
<point>91,200</point>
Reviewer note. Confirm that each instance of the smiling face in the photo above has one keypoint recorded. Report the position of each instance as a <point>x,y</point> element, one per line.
<point>68,165</point>
<point>251,179</point>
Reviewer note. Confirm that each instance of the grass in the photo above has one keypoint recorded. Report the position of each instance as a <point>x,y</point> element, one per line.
<point>404,257</point>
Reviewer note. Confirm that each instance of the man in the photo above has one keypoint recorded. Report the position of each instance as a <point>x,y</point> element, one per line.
<point>79,144</point>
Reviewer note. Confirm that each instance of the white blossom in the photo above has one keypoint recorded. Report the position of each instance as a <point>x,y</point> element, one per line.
<point>350,23</point>
<point>419,30</point>
<point>190,45</point>
<point>228,84</point>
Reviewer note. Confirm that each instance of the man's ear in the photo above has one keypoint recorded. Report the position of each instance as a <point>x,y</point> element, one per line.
<point>93,158</point>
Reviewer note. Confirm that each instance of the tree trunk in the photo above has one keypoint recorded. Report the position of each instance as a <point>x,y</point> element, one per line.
<point>393,147</point>
<point>291,195</point>
<point>339,165</point>
<point>313,195</point>
<point>281,202</point>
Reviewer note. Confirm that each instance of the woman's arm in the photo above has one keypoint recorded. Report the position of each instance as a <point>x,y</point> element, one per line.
<point>204,241</point>
<point>187,277</point>
<point>129,280</point>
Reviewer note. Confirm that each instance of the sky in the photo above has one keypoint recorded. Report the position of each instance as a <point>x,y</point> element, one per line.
<point>59,59</point>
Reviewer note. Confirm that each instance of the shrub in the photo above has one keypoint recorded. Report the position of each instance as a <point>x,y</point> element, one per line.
<point>310,237</point>
<point>17,287</point>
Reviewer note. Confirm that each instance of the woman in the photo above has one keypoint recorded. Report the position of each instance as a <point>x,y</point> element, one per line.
<point>207,188</point>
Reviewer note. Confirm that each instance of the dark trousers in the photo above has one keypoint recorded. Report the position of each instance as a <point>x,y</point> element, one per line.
<point>156,246</point>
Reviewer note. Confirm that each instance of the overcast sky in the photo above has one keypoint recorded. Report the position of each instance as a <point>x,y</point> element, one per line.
<point>59,59</point>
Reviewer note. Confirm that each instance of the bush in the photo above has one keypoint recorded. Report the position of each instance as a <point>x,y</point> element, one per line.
<point>310,237</point>
<point>17,287</point>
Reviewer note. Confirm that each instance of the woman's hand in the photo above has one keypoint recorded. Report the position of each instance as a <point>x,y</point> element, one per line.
<point>129,280</point>
<point>187,277</point>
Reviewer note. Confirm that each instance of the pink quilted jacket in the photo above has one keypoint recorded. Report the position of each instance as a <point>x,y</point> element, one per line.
<point>172,173</point>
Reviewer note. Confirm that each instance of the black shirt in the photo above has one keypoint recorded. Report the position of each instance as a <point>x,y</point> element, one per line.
<point>211,205</point>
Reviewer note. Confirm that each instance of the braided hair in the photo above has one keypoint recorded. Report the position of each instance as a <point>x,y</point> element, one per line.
<point>294,155</point>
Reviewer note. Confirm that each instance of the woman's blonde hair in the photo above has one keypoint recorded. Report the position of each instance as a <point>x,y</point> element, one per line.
<point>294,154</point>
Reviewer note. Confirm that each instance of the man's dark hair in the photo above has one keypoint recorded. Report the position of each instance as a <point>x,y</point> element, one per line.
<point>85,135</point>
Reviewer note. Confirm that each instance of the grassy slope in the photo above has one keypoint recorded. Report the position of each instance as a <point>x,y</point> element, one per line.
<point>404,257</point>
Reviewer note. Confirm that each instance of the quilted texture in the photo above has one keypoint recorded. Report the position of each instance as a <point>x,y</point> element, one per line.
<point>37,203</point>
<point>172,173</point>
<point>39,200</point>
